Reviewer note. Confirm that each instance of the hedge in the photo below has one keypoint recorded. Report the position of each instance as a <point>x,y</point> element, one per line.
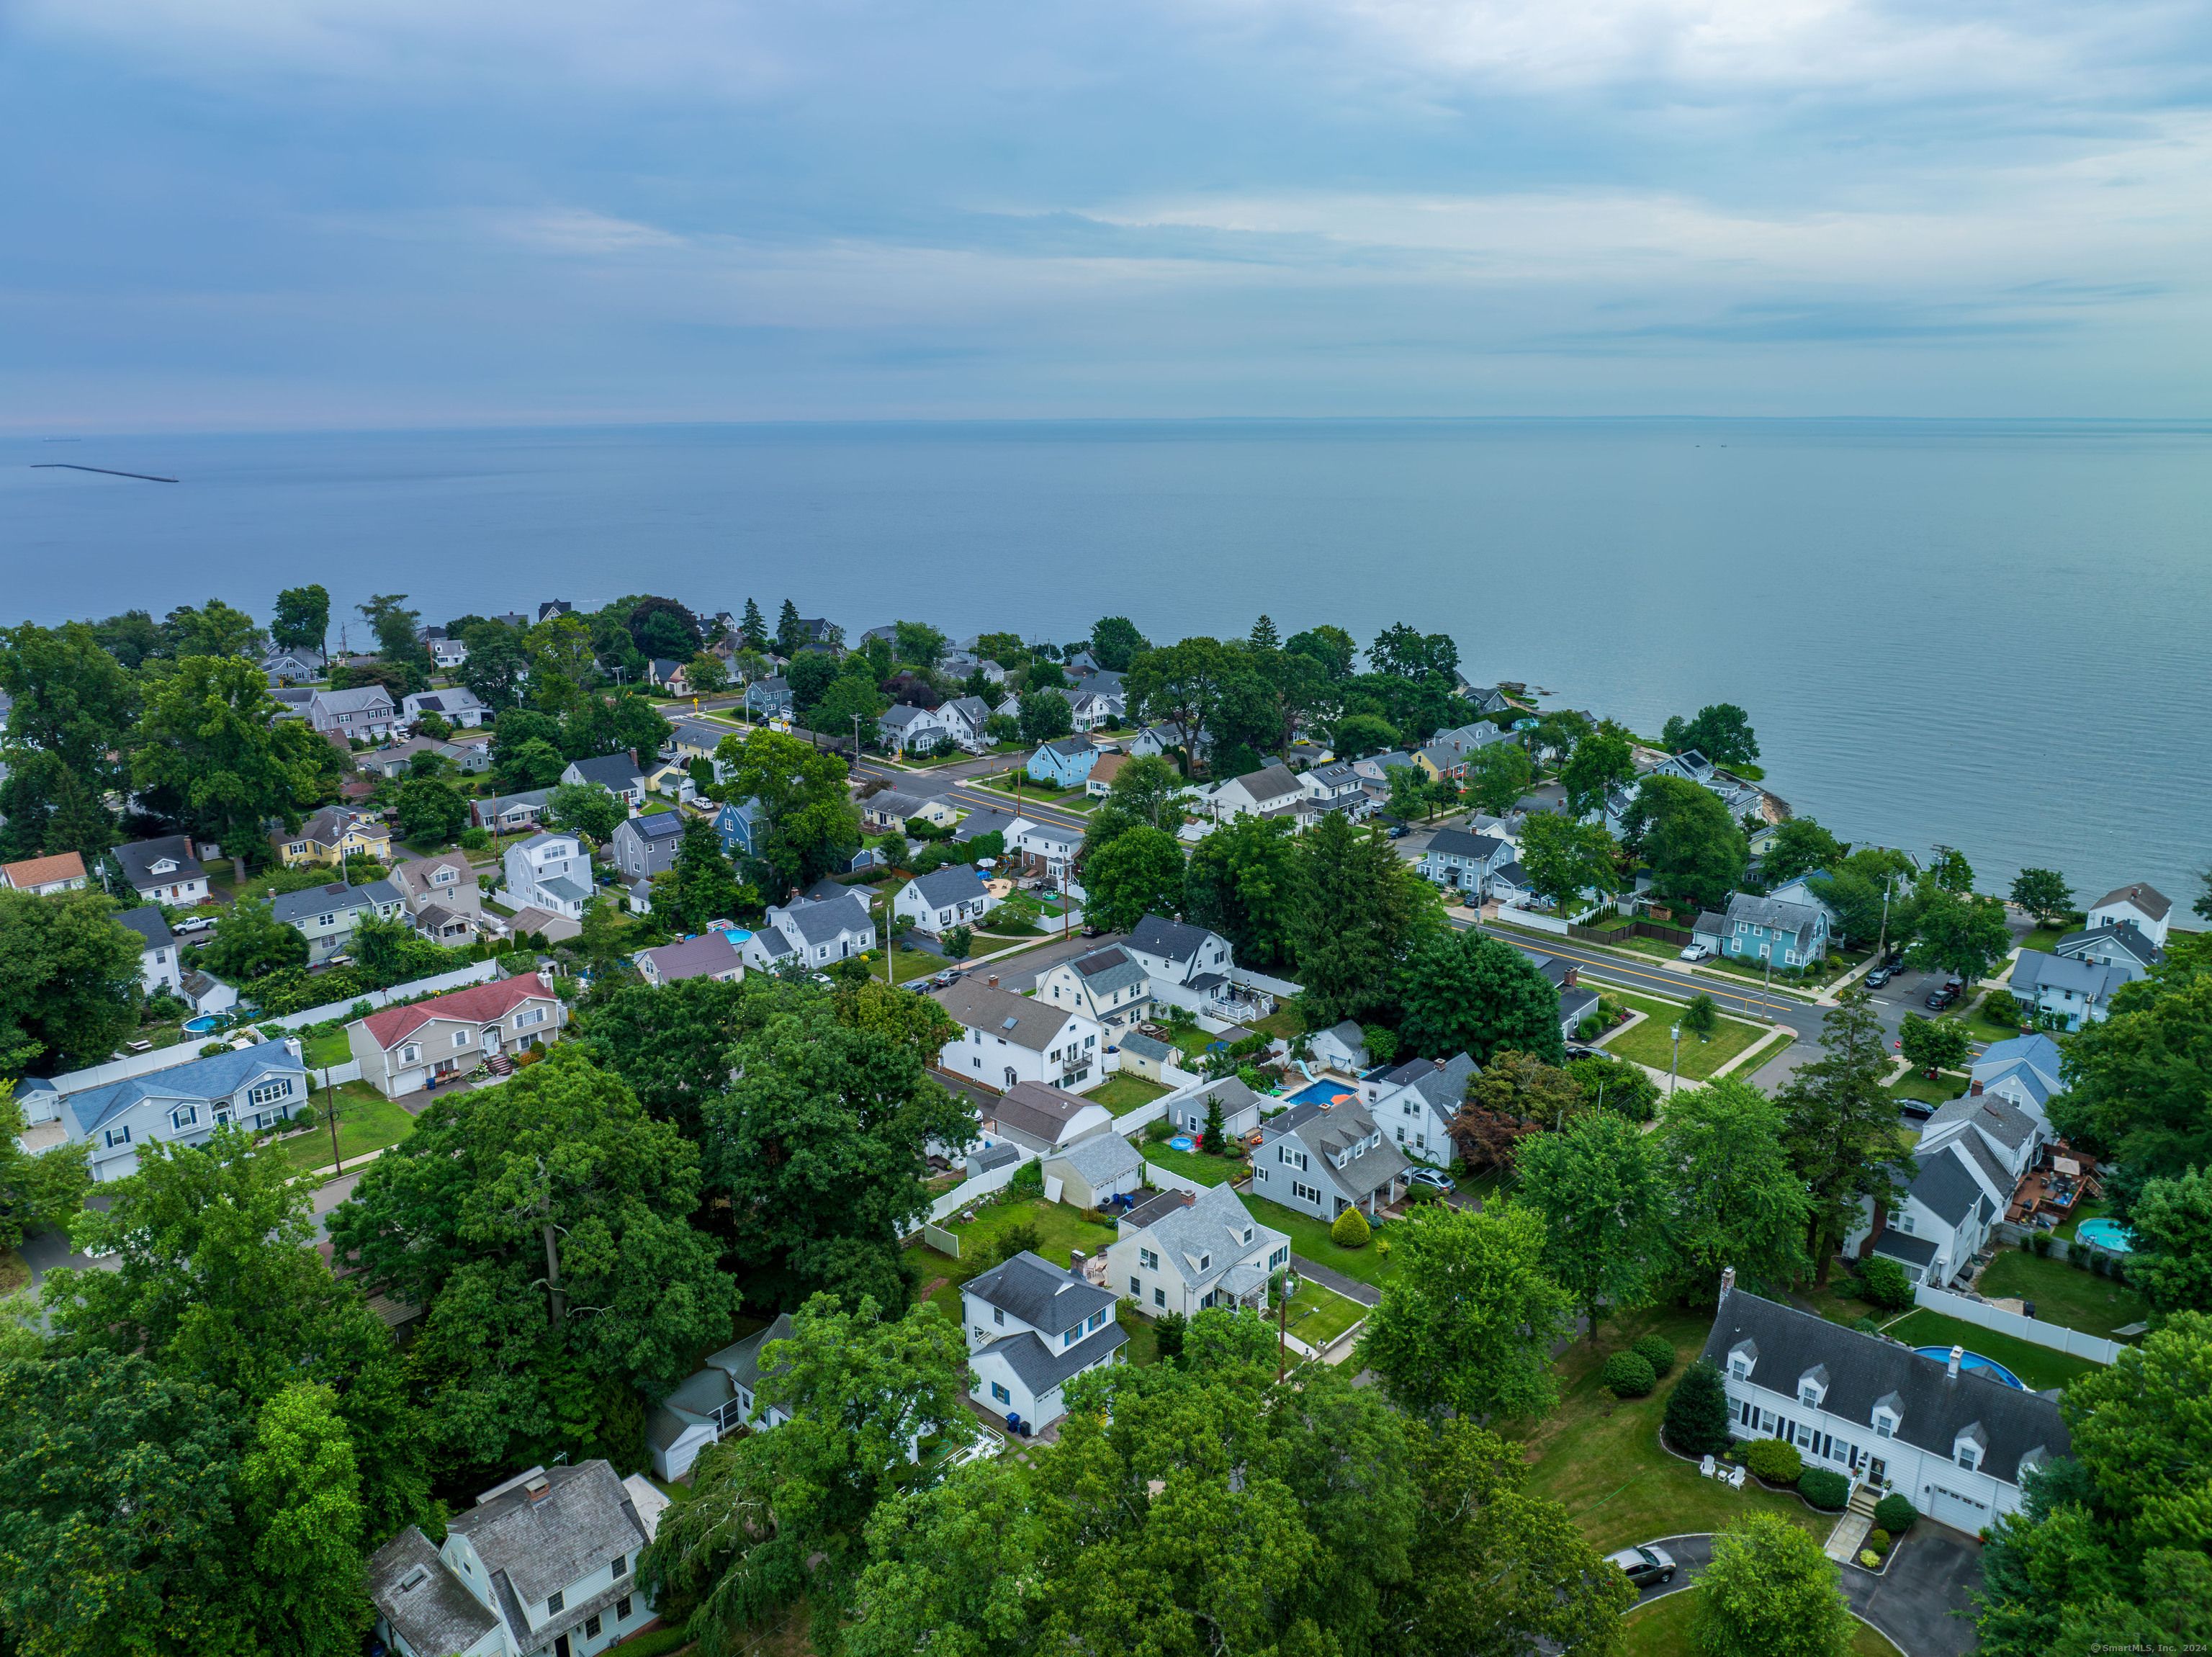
<point>1350,1230</point>
<point>1654,1351</point>
<point>1628,1375</point>
<point>1824,1489</point>
<point>1895,1512</point>
<point>1775,1462</point>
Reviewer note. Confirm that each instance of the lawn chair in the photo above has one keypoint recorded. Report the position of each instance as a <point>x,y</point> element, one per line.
<point>1735,1479</point>
<point>1705,1469</point>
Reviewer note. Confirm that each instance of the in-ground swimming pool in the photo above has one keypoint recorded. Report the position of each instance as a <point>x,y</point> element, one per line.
<point>2108,1234</point>
<point>202,1025</point>
<point>1320,1093</point>
<point>1989,1367</point>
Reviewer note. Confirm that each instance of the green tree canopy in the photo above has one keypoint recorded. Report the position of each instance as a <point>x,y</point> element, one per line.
<point>1721,732</point>
<point>701,886</point>
<point>1771,1592</point>
<point>806,819</point>
<point>1601,763</point>
<point>2043,893</point>
<point>1148,789</point>
<point>1364,910</point>
<point>301,1484</point>
<point>1046,716</point>
<point>1599,1190</point>
<point>587,809</point>
<point>1733,1197</point>
<point>1697,851</point>
<point>1115,643</point>
<point>1497,775</point>
<point>1404,652</point>
<point>2172,1265</point>
<point>2139,1082</point>
<point>302,619</point>
<point>1181,684</point>
<point>1246,880</point>
<point>38,1188</point>
<point>1840,1126</point>
<point>214,629</point>
<point>1462,992</point>
<point>1336,650</point>
<point>429,812</point>
<point>1799,846</point>
<point>673,1045</point>
<point>1566,861</point>
<point>497,666</point>
<point>249,941</point>
<point>1957,932</point>
<point>69,985</point>
<point>1941,1045</point>
<point>1141,873</point>
<point>72,700</point>
<point>211,740</point>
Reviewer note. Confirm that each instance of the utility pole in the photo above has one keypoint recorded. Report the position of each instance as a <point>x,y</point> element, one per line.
<point>1675,1065</point>
<point>331,1110</point>
<point>1881,941</point>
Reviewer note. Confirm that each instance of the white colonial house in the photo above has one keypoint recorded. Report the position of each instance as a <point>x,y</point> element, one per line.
<point>816,930</point>
<point>935,903</point>
<point>1007,1038</point>
<point>1182,1253</point>
<point>1973,1155</point>
<point>1952,1440</point>
<point>713,1402</point>
<point>906,730</point>
<point>1186,965</point>
<point>1255,794</point>
<point>615,772</point>
<point>1417,1101</point>
<point>2146,907</point>
<point>1109,984</point>
<point>164,871</point>
<point>2066,992</point>
<point>544,1565</point>
<point>402,1049</point>
<point>1032,1327</point>
<point>550,871</point>
<point>457,707</point>
<point>158,966</point>
<point>256,1086</point>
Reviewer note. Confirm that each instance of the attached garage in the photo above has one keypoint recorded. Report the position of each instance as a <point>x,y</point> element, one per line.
<point>1960,1513</point>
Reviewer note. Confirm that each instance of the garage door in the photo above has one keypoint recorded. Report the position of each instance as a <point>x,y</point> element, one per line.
<point>1961,1513</point>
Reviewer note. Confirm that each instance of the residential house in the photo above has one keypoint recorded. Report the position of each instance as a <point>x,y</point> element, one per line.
<point>257,1087</point>
<point>457,706</point>
<point>402,1049</point>
<point>1100,782</point>
<point>1508,885</point>
<point>1944,1217</point>
<point>819,930</point>
<point>643,847</point>
<point>1065,763</point>
<point>2120,944</point>
<point>1144,1056</point>
<point>985,820</point>
<point>734,822</point>
<point>669,782</point>
<point>1254,794</point>
<point>1800,891</point>
<point>1091,1170</point>
<point>967,718</point>
<point>204,993</point>
<point>1417,1101</point>
<point>363,714</point>
<point>1183,964</point>
<point>293,667</point>
<point>163,871</point>
<point>158,965</point>
<point>448,653</point>
<point>819,633</point>
<point>1091,708</point>
<point>691,738</point>
<point>903,729</point>
<point>1323,1159</point>
<point>1576,1005</point>
<point>2065,992</point>
<point>544,1564</point>
<point>1032,1328</point>
<point>2024,1071</point>
<point>1446,753</point>
<point>961,664</point>
<point>1204,1251</point>
<point>44,876</point>
<point>1342,1048</point>
<point>955,895</point>
<point>1046,850</point>
<point>332,835</point>
<point>510,813</point>
<point>1339,781</point>
<point>670,677</point>
<point>1239,1106</point>
<point>1788,935</point>
<point>2144,905</point>
<point>712,954</point>
<point>548,871</point>
<point>1107,983</point>
<point>714,1402</point>
<point>396,760</point>
<point>1163,739</point>
<point>1956,1442</point>
<point>441,896</point>
<point>1007,1039</point>
<point>889,810</point>
<point>617,773</point>
<point>1491,701</point>
<point>1375,768</point>
<point>325,916</point>
<point>769,699</point>
<point>553,608</point>
<point>1461,861</point>
<point>1045,1120</point>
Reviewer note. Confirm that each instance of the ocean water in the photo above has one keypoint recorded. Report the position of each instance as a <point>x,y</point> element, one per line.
<point>1994,636</point>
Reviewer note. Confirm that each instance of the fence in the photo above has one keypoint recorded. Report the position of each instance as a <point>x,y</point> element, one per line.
<point>981,1186</point>
<point>943,1241</point>
<point>344,1010</point>
<point>1673,934</point>
<point>1534,922</point>
<point>1160,1180</point>
<point>337,1076</point>
<point>2032,1330</point>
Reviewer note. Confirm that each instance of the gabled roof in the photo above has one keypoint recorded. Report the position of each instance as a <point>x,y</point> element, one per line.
<point>1042,1295</point>
<point>1772,912</point>
<point>1042,1366</point>
<point>215,1077</point>
<point>1947,1187</point>
<point>694,958</point>
<point>337,898</point>
<point>427,1607</point>
<point>742,1362</point>
<point>1100,1159</point>
<point>480,1004</point>
<point>138,857</point>
<point>1458,843</point>
<point>147,924</point>
<point>1330,1133</point>
<point>2126,936</point>
<point>616,771</point>
<point>657,825</point>
<point>38,871</point>
<point>1933,1406</point>
<point>2038,1052</point>
<point>2148,898</point>
<point>949,884</point>
<point>584,1519</point>
<point>2023,1075</point>
<point>1145,1047</point>
<point>899,716</point>
<point>2035,970</point>
<point>530,798</point>
<point>1069,747</point>
<point>1174,941</point>
<point>1041,1110</point>
<point>1441,1083</point>
<point>362,699</point>
<point>826,922</point>
<point>1268,782</point>
<point>1022,1020</point>
<point>1057,833</point>
<point>896,802</point>
<point>984,820</point>
<point>1996,1116</point>
<point>1211,1229</point>
<point>1106,972</point>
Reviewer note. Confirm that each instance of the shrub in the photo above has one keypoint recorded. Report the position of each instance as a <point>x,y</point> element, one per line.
<point>1824,1489</point>
<point>210,1049</point>
<point>1159,1131</point>
<point>1999,1007</point>
<point>475,839</point>
<point>1704,1016</point>
<point>1867,1327</point>
<point>528,1056</point>
<point>1878,1540</point>
<point>304,1116</point>
<point>1030,1176</point>
<point>1627,1375</point>
<point>1654,1351</point>
<point>1771,1459</point>
<point>1171,1330</point>
<point>2100,1264</point>
<point>1382,1248</point>
<point>1590,1028</point>
<point>2077,1256</point>
<point>1697,1412</point>
<point>1870,1558</point>
<point>2040,1244</point>
<point>1350,1230</point>
<point>1895,1512</point>
<point>1886,1283</point>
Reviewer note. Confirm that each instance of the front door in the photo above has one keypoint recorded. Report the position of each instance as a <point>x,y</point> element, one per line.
<point>561,1647</point>
<point>1874,1470</point>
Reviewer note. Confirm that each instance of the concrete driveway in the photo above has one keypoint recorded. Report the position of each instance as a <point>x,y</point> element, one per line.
<point>1922,1603</point>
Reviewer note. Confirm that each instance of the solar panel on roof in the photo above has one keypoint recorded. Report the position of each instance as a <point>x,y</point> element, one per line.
<point>1009,1024</point>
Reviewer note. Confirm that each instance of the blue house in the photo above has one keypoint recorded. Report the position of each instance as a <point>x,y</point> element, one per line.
<point>1770,929</point>
<point>1066,762</point>
<point>734,823</point>
<point>765,698</point>
<point>1457,859</point>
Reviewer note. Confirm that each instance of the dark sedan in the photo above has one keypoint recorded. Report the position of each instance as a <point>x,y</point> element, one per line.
<point>1940,999</point>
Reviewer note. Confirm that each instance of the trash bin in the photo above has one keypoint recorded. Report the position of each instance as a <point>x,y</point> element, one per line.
<point>2027,1308</point>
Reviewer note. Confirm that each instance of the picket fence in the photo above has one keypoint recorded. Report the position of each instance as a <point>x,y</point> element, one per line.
<point>2035,1330</point>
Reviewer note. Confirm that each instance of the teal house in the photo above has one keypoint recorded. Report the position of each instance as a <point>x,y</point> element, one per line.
<point>1773,929</point>
<point>1066,762</point>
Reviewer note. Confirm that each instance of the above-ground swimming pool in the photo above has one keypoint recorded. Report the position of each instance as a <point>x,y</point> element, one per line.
<point>202,1025</point>
<point>1989,1367</point>
<point>2108,1234</point>
<point>1183,1141</point>
<point>1321,1093</point>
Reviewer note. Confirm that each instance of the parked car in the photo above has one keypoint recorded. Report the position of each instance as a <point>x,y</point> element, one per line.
<point>1091,929</point>
<point>1696,952</point>
<point>1430,1178</point>
<point>1399,831</point>
<point>1586,1052</point>
<point>1880,976</point>
<point>1940,999</point>
<point>1644,1566</point>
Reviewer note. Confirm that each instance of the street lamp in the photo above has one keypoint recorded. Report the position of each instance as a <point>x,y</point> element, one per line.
<point>1674,1064</point>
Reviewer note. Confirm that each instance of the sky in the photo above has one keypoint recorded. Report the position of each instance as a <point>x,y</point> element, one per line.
<point>252,214</point>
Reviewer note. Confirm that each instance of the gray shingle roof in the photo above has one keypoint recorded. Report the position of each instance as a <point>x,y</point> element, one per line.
<point>1915,1251</point>
<point>657,825</point>
<point>1040,1293</point>
<point>983,820</point>
<point>1933,1407</point>
<point>950,884</point>
<point>2034,971</point>
<point>1071,746</point>
<point>361,700</point>
<point>1329,1134</point>
<point>1056,833</point>
<point>1772,912</point>
<point>1146,1047</point>
<point>2038,1050</point>
<point>147,924</point>
<point>742,1361</point>
<point>1101,1159</point>
<point>138,857</point>
<point>1947,1187</point>
<point>217,1077</point>
<point>616,771</point>
<point>568,891</point>
<point>896,802</point>
<point>825,922</point>
<point>1174,940</point>
<point>710,951</point>
<point>1211,1229</point>
<point>294,907</point>
<point>1038,1109</point>
<point>1268,782</point>
<point>2150,899</point>
<point>2127,937</point>
<point>1999,1117</point>
<point>1106,971</point>
<point>427,1607</point>
<point>1044,1366</point>
<point>1458,843</point>
<point>584,1521</point>
<point>1022,1020</point>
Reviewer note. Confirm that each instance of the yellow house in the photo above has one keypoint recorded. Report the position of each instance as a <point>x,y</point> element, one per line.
<point>332,835</point>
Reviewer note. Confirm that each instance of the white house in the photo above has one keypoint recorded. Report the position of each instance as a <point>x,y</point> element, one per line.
<point>457,707</point>
<point>2024,1071</point>
<point>892,809</point>
<point>255,1086</point>
<point>544,1563</point>
<point>44,876</point>
<point>1255,793</point>
<point>357,715</point>
<point>1323,1159</point>
<point>1047,850</point>
<point>936,902</point>
<point>548,871</point>
<point>1342,1048</point>
<point>712,1403</point>
<point>1091,1170</point>
<point>1183,1253</point>
<point>163,871</point>
<point>1183,964</point>
<point>819,930</point>
<point>1417,1101</point>
<point>1240,1108</point>
<point>158,966</point>
<point>2145,905</point>
<point>401,1049</point>
<point>1045,1120</point>
<point>967,717</point>
<point>2122,944</point>
<point>1006,1039</point>
<point>617,773</point>
<point>1952,1440</point>
<point>1340,781</point>
<point>2065,992</point>
<point>904,730</point>
<point>1032,1327</point>
<point>1108,984</point>
<point>1963,1188</point>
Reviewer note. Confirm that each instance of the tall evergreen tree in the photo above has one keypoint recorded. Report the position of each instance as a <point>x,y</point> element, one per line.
<point>1841,1128</point>
<point>1363,909</point>
<point>1264,636</point>
<point>755,626</point>
<point>1697,1420</point>
<point>788,636</point>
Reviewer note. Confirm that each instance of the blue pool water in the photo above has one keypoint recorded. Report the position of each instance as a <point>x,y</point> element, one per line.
<point>1183,1141</point>
<point>202,1025</point>
<point>1320,1093</point>
<point>2106,1234</point>
<point>1989,1367</point>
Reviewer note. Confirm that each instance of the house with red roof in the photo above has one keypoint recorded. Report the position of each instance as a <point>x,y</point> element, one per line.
<point>403,1048</point>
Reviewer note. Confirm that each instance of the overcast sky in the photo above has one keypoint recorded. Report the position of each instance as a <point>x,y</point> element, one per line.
<point>256,214</point>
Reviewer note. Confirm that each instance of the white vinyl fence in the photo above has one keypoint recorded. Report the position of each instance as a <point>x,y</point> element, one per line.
<point>943,1241</point>
<point>1983,1315</point>
<point>337,1076</point>
<point>481,972</point>
<point>981,1186</point>
<point>1160,1180</point>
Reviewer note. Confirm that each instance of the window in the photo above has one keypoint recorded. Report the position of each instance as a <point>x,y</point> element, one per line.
<point>553,1604</point>
<point>535,1015</point>
<point>1205,1263</point>
<point>997,1315</point>
<point>1097,1320</point>
<point>619,1564</point>
<point>1810,1396</point>
<point>410,1053</point>
<point>1136,1286</point>
<point>1067,1336</point>
<point>1000,1393</point>
<point>1306,1192</point>
<point>1904,1224</point>
<point>460,1037</point>
<point>280,1088</point>
<point>118,1136</point>
<point>1966,1457</point>
<point>591,1626</point>
<point>1739,1368</point>
<point>1159,1297</point>
<point>1279,1257</point>
<point>1247,1234</point>
<point>1146,1258</point>
<point>622,1609</point>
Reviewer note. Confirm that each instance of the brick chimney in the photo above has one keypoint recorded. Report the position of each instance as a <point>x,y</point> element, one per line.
<point>1573,973</point>
<point>538,1489</point>
<point>1728,1282</point>
<point>1974,1090</point>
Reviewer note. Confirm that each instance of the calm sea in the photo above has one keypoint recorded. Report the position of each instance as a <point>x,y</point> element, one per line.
<point>1993,636</point>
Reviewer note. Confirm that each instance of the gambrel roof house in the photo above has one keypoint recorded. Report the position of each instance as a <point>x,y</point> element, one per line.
<point>1950,1439</point>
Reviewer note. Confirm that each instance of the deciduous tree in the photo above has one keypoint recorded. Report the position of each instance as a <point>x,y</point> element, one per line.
<point>1696,849</point>
<point>1732,1196</point>
<point>1771,1592</point>
<point>1840,1126</point>
<point>1140,873</point>
<point>2172,1264</point>
<point>214,629</point>
<point>496,667</point>
<point>1957,932</point>
<point>1941,1045</point>
<point>1565,859</point>
<point>806,818</point>
<point>1461,992</point>
<point>2043,893</point>
<point>302,619</point>
<point>1046,716</point>
<point>1181,684</point>
<point>1246,880</point>
<point>69,985</point>
<point>210,739</point>
<point>1115,643</point>
<point>587,809</point>
<point>1798,846</point>
<point>249,941</point>
<point>1497,775</point>
<point>1603,1203</point>
<point>301,1485</point>
<point>1722,734</point>
<point>428,812</point>
<point>1601,763</point>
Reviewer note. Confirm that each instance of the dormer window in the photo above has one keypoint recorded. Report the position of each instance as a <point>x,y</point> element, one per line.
<point>1205,1263</point>
<point>1247,1234</point>
<point>1966,1454</point>
<point>1970,1446</point>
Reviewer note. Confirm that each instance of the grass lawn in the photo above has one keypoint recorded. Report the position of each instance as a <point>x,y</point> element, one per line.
<point>1318,1315</point>
<point>1666,1627</point>
<point>911,964</point>
<point>1059,1228</point>
<point>1648,1043</point>
<point>1189,1037</point>
<point>324,1053</point>
<point>2071,1299</point>
<point>1978,1028</point>
<point>1122,1094</point>
<point>2038,1365</point>
<point>1285,1023</point>
<point>1143,1345</point>
<point>2082,1211</point>
<point>367,1121</point>
<point>1017,929</point>
<point>1310,1240</point>
<point>1915,1084</point>
<point>1196,1165</point>
<point>1600,1457</point>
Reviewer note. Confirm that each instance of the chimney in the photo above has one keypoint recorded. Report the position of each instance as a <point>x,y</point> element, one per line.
<point>538,1489</point>
<point>1573,972</point>
<point>1975,1088</point>
<point>1075,1265</point>
<point>993,981</point>
<point>1957,1353</point>
<point>1728,1280</point>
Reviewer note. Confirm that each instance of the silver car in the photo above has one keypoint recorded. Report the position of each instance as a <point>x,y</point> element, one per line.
<point>1644,1567</point>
